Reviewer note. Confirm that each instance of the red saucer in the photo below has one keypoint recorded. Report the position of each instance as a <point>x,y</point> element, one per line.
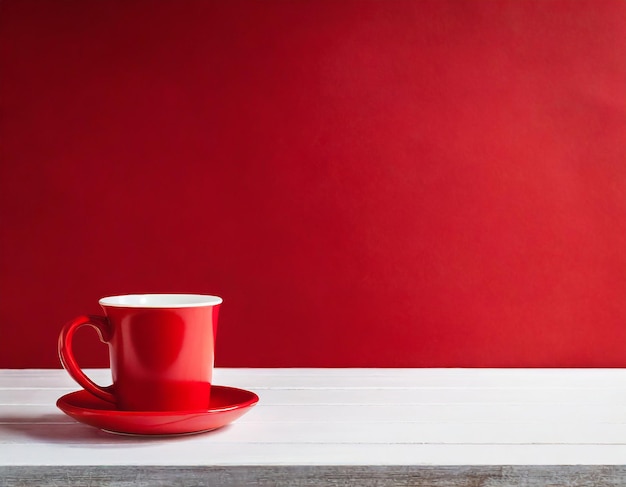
<point>227,404</point>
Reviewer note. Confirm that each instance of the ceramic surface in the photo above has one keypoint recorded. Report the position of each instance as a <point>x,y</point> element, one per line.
<point>161,349</point>
<point>226,405</point>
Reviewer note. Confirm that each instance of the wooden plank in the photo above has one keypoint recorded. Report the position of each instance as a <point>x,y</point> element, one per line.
<point>347,433</point>
<point>418,413</point>
<point>313,396</point>
<point>359,378</point>
<point>426,378</point>
<point>184,451</point>
<point>282,476</point>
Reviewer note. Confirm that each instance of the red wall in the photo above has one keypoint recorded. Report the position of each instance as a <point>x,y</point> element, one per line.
<point>365,183</point>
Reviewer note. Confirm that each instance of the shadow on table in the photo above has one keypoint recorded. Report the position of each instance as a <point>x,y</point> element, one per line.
<point>58,428</point>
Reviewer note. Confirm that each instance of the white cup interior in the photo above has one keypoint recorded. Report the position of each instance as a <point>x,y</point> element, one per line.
<point>160,300</point>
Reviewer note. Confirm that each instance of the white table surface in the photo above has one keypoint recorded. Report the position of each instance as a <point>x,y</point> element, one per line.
<point>320,421</point>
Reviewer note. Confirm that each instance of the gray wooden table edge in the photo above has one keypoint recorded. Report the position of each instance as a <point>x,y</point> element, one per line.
<point>426,476</point>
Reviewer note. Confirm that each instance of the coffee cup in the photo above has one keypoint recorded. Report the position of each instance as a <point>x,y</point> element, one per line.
<point>161,350</point>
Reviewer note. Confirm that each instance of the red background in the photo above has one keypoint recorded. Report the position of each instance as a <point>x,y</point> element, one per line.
<point>365,183</point>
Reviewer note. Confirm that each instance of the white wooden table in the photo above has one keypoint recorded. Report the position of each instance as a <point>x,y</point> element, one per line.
<point>439,427</point>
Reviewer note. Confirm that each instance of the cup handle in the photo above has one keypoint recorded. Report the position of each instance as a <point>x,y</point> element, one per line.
<point>101,324</point>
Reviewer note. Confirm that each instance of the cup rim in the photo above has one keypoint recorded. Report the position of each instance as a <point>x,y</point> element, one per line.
<point>160,300</point>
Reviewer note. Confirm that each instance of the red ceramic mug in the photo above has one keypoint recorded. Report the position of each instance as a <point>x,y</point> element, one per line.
<point>161,349</point>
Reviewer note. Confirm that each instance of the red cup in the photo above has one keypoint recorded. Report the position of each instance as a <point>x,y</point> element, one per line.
<point>161,349</point>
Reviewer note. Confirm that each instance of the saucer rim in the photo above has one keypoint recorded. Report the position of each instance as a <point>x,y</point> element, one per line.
<point>65,404</point>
